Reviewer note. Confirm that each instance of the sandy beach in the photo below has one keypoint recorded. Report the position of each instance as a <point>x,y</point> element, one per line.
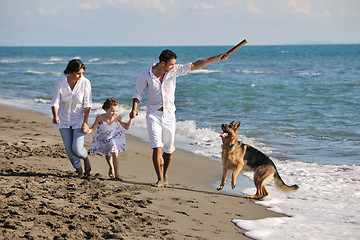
<point>42,199</point>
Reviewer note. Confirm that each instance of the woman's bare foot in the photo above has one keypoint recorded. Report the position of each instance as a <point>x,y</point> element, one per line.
<point>80,172</point>
<point>87,167</point>
<point>119,179</point>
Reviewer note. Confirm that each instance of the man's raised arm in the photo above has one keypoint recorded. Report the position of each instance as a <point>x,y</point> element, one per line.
<point>207,61</point>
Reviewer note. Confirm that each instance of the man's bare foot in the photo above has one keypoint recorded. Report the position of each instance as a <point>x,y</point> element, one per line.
<point>166,183</point>
<point>118,179</point>
<point>159,184</point>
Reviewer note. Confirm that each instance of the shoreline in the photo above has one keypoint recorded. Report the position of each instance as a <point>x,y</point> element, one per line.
<point>32,156</point>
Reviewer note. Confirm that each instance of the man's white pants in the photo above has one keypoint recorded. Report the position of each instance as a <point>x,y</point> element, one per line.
<point>161,131</point>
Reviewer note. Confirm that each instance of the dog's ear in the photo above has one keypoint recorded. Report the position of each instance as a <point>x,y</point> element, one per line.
<point>237,125</point>
<point>232,123</point>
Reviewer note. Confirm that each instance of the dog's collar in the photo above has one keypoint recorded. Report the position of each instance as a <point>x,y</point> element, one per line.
<point>231,145</point>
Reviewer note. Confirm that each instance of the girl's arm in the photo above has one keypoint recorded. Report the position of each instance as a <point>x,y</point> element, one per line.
<point>94,126</point>
<point>124,124</point>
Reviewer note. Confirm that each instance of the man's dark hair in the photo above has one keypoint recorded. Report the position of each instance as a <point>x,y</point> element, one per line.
<point>166,55</point>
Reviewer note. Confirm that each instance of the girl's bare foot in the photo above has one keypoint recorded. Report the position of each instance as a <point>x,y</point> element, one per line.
<point>119,179</point>
<point>111,173</point>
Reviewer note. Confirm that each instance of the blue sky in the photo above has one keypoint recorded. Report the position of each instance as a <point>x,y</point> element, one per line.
<point>177,22</point>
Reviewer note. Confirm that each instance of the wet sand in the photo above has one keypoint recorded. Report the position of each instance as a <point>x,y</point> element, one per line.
<point>41,198</point>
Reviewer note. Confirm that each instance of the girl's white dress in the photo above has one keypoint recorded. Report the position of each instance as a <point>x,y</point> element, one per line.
<point>108,139</point>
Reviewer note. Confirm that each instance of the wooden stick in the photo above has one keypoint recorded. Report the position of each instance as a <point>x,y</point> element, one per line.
<point>234,49</point>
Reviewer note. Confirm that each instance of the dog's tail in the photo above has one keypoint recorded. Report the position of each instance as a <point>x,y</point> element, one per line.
<point>280,185</point>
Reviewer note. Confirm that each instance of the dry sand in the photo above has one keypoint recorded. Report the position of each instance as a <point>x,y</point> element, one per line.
<point>40,197</point>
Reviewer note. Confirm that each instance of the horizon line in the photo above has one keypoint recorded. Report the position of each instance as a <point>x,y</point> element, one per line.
<point>220,45</point>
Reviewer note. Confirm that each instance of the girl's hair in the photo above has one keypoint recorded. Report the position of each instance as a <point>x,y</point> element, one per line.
<point>74,66</point>
<point>109,103</point>
<point>166,55</point>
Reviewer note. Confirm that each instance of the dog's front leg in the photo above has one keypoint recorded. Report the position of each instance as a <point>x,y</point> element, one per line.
<point>223,180</point>
<point>234,175</point>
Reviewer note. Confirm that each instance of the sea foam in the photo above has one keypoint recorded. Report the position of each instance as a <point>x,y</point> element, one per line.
<point>326,206</point>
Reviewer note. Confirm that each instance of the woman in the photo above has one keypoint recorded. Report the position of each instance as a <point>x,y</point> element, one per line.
<point>70,106</point>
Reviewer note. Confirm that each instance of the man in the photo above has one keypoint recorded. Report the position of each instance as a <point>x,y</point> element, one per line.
<point>160,82</point>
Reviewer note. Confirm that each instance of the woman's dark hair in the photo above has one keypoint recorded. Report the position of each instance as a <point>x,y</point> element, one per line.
<point>109,103</point>
<point>166,55</point>
<point>74,66</point>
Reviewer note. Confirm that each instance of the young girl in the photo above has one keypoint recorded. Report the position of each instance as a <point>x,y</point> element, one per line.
<point>109,138</point>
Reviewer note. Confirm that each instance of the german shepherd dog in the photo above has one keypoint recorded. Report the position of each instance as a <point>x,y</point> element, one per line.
<point>237,156</point>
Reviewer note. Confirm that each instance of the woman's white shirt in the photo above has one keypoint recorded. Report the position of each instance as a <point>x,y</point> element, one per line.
<point>71,103</point>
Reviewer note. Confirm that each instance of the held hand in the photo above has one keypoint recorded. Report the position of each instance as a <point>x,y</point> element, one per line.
<point>85,128</point>
<point>56,120</point>
<point>86,131</point>
<point>133,113</point>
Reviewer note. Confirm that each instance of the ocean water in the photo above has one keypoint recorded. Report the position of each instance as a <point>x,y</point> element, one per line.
<point>298,104</point>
